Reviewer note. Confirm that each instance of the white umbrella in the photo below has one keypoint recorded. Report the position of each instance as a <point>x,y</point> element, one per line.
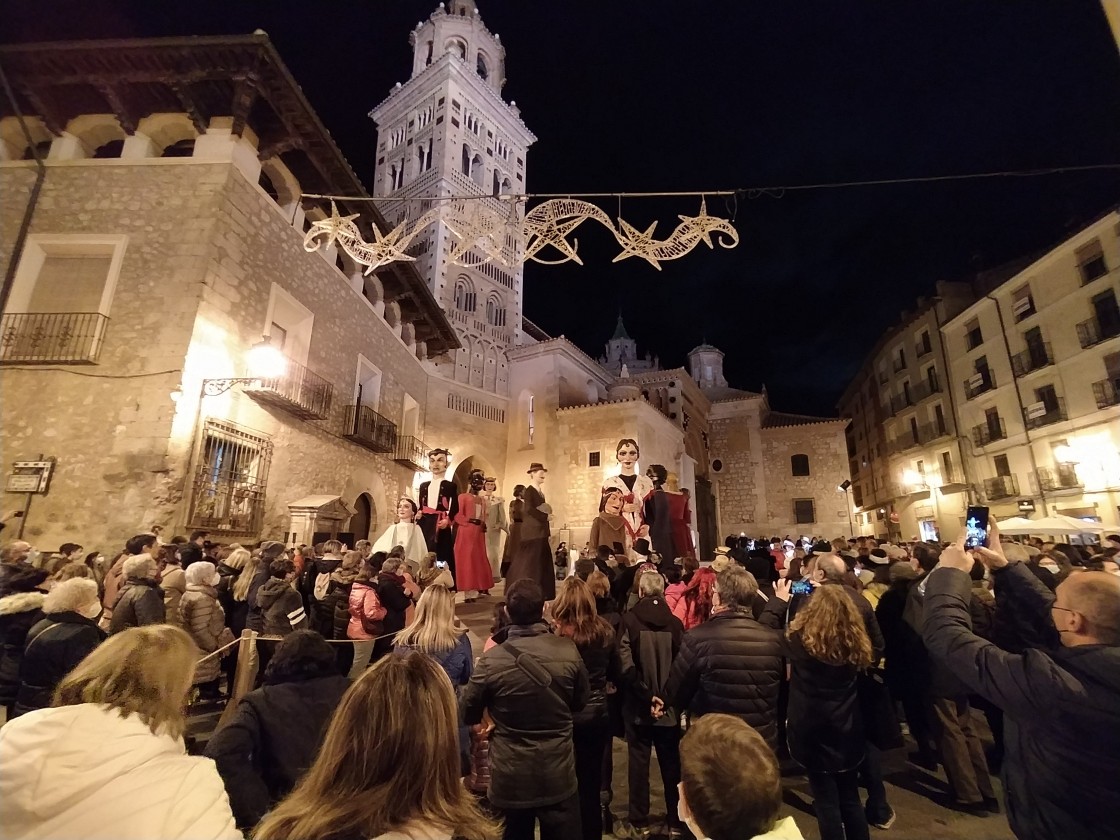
<point>1083,526</point>
<point>1016,525</point>
<point>1053,525</point>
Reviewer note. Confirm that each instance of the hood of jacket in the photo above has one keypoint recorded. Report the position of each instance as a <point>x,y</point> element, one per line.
<point>57,759</point>
<point>326,564</point>
<point>653,612</point>
<point>271,591</point>
<point>21,602</point>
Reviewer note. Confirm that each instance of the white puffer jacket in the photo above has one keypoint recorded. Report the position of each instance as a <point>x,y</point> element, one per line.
<point>85,771</point>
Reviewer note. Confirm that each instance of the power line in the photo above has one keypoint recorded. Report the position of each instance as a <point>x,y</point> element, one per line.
<point>750,192</point>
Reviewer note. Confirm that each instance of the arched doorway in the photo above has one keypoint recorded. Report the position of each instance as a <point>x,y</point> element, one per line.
<point>463,471</point>
<point>364,517</point>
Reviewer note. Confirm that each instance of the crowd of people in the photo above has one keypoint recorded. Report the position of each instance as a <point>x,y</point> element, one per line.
<point>372,717</point>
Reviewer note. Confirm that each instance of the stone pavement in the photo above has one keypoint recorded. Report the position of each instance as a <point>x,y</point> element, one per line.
<point>915,794</point>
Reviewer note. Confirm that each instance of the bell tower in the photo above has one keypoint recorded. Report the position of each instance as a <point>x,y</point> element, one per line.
<point>447,131</point>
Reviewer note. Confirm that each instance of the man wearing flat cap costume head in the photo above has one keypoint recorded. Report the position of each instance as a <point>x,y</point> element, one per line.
<point>533,559</point>
<point>439,503</point>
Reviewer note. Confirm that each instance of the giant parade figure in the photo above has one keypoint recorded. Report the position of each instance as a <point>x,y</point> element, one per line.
<point>635,488</point>
<point>439,503</point>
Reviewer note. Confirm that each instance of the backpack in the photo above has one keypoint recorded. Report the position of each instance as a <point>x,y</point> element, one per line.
<point>322,586</point>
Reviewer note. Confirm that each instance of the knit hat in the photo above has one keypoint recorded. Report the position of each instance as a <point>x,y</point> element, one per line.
<point>271,549</point>
<point>879,557</point>
<point>822,547</point>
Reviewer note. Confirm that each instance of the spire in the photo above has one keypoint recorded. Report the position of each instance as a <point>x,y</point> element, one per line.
<point>620,330</point>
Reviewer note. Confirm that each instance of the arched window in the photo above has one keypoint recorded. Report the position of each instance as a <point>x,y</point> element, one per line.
<point>478,170</point>
<point>180,148</point>
<point>799,464</point>
<point>465,298</point>
<point>111,149</point>
<point>480,66</point>
<point>531,418</point>
<point>466,160</point>
<point>507,187</point>
<point>495,312</point>
<point>497,182</point>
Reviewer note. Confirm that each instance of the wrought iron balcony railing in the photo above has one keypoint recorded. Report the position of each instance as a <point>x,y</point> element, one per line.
<point>1106,393</point>
<point>411,452</point>
<point>51,337</point>
<point>1039,415</point>
<point>1001,487</point>
<point>979,383</point>
<point>1035,357</point>
<point>366,427</point>
<point>298,390</point>
<point>1058,477</point>
<point>899,402</point>
<point>1094,330</point>
<point>988,432</point>
<point>921,350</point>
<point>926,388</point>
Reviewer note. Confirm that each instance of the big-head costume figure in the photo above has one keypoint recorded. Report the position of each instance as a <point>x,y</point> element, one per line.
<point>635,488</point>
<point>439,503</point>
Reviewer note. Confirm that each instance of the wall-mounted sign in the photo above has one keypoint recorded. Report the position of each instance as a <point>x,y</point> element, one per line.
<point>1026,506</point>
<point>30,476</point>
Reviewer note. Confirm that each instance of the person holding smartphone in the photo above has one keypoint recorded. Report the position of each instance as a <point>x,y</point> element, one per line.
<point>1061,704</point>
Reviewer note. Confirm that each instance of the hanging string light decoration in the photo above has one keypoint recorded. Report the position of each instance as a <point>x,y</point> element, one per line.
<point>481,235</point>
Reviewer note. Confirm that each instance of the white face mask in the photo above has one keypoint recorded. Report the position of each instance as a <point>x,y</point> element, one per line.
<point>1049,566</point>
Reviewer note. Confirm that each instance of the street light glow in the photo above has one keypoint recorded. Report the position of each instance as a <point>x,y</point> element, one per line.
<point>266,361</point>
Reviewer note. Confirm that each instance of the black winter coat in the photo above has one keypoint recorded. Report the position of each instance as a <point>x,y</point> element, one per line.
<point>732,664</point>
<point>254,619</point>
<point>1061,707</point>
<point>649,639</point>
<point>532,762</point>
<point>18,613</point>
<point>270,742</point>
<point>224,590</point>
<point>322,610</point>
<point>281,608</point>
<point>390,591</point>
<point>54,648</point>
<point>603,666</point>
<point>139,603</point>
<point>823,723</point>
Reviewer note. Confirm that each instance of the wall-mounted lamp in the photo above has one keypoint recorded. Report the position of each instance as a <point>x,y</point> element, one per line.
<point>265,361</point>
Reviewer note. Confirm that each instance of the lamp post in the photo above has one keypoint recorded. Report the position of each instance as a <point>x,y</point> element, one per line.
<point>844,486</point>
<point>265,361</point>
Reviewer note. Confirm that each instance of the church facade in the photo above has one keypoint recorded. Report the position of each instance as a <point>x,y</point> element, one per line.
<point>155,232</point>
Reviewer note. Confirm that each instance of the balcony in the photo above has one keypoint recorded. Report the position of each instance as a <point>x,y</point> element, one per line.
<point>1040,414</point>
<point>921,350</point>
<point>1001,487</point>
<point>1058,477</point>
<point>899,365</point>
<point>1106,393</point>
<point>298,391</point>
<point>1095,330</point>
<point>926,389</point>
<point>979,383</point>
<point>411,452</point>
<point>899,402</point>
<point>988,432</point>
<point>903,489</point>
<point>1035,357</point>
<point>906,440</point>
<point>367,428</point>
<point>51,337</point>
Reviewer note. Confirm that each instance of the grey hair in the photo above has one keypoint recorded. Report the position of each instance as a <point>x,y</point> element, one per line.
<point>736,587</point>
<point>70,596</point>
<point>137,566</point>
<point>391,565</point>
<point>1015,553</point>
<point>651,583</point>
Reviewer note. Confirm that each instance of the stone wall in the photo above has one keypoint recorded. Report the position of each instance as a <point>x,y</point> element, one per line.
<point>738,484</point>
<point>828,466</point>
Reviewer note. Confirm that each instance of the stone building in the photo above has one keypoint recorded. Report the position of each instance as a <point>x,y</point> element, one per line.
<point>154,223</point>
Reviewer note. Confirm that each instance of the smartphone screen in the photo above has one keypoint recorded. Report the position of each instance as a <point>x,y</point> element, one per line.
<point>441,564</point>
<point>801,587</point>
<point>976,526</point>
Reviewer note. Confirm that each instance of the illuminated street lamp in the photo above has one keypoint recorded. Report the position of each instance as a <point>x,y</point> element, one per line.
<point>265,361</point>
<point>843,488</point>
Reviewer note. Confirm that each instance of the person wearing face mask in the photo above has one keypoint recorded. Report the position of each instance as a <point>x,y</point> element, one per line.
<point>1061,704</point>
<point>731,787</point>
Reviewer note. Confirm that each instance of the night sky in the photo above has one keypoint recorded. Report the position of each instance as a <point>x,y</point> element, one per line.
<point>629,96</point>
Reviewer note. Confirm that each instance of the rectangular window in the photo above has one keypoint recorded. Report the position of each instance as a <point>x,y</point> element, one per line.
<point>973,336</point>
<point>1048,397</point>
<point>1022,302</point>
<point>939,419</point>
<point>1090,262</point>
<point>804,512</point>
<point>228,493</point>
<point>532,421</point>
<point>925,346</point>
<point>1001,465</point>
<point>294,321</point>
<point>593,459</point>
<point>947,466</point>
<point>61,296</point>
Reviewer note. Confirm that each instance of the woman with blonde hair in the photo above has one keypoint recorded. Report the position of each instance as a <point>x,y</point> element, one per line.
<point>574,615</point>
<point>430,574</point>
<point>827,646</point>
<point>380,774</point>
<point>108,760</point>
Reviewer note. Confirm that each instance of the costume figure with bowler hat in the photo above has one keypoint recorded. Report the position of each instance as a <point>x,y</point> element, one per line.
<point>439,504</point>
